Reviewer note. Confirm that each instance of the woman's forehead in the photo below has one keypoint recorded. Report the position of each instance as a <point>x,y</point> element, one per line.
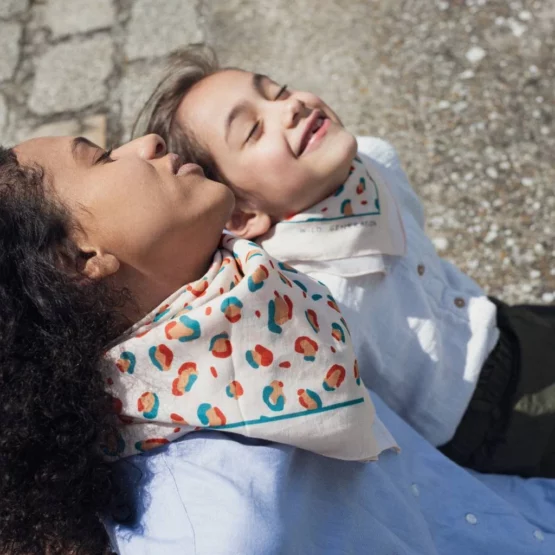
<point>59,157</point>
<point>44,151</point>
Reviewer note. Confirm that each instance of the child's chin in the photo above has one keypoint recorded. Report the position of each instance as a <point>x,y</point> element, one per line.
<point>345,142</point>
<point>346,145</point>
<point>343,170</point>
<point>352,145</point>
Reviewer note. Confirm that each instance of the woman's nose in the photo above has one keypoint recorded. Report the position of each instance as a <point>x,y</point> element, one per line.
<point>147,147</point>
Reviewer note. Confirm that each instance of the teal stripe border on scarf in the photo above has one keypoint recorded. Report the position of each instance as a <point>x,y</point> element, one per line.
<point>316,220</point>
<point>266,419</point>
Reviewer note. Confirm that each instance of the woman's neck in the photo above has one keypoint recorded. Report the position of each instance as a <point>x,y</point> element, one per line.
<point>148,291</point>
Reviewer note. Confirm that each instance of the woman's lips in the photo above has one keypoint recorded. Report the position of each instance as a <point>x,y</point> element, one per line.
<point>316,139</point>
<point>178,168</point>
<point>186,169</point>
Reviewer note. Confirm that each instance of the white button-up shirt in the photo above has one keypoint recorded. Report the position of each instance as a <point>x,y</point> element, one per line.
<point>423,330</point>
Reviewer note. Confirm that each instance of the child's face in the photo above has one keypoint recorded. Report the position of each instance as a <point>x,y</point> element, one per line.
<point>281,150</point>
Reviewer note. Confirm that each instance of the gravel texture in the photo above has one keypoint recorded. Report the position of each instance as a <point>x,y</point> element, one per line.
<point>158,28</point>
<point>9,46</point>
<point>72,75</point>
<point>3,113</point>
<point>9,8</point>
<point>65,18</point>
<point>464,89</point>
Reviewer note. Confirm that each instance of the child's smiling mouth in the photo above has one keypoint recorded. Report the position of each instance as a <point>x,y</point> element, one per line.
<point>315,128</point>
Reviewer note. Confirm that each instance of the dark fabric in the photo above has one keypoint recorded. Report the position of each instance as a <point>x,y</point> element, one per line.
<point>509,426</point>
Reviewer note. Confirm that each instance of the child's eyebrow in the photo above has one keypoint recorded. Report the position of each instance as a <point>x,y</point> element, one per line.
<point>257,84</point>
<point>257,79</point>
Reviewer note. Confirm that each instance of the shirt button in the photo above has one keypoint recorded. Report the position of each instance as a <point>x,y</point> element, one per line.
<point>459,302</point>
<point>415,490</point>
<point>421,269</point>
<point>538,535</point>
<point>471,519</point>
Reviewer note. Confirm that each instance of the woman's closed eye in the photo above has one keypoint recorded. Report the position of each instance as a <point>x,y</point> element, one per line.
<point>104,158</point>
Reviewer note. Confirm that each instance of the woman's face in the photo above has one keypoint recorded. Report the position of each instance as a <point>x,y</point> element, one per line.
<point>138,203</point>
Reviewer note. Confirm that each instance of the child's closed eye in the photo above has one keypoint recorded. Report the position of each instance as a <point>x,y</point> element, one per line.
<point>253,131</point>
<point>280,95</point>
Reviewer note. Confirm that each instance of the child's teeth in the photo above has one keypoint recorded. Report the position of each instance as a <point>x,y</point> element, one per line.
<point>317,125</point>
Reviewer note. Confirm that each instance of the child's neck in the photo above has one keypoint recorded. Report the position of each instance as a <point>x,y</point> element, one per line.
<point>324,193</point>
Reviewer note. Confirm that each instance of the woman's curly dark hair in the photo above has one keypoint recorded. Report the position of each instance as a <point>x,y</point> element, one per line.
<point>54,484</point>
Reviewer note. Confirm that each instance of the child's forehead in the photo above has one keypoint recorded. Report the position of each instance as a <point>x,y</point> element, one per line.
<point>239,80</point>
<point>218,93</point>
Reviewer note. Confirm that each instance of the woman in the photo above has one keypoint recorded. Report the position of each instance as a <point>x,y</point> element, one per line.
<point>84,255</point>
<point>80,259</point>
<point>202,331</point>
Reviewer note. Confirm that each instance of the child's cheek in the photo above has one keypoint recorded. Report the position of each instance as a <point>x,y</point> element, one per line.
<point>274,156</point>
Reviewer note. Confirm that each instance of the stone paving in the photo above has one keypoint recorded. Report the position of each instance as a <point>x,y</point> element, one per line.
<point>464,89</point>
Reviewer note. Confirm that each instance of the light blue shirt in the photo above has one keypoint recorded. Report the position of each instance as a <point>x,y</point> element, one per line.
<point>222,494</point>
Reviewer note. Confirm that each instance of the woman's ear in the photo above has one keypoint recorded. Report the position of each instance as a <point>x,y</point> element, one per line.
<point>249,223</point>
<point>98,265</point>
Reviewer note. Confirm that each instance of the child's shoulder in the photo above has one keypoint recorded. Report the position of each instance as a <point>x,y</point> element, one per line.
<point>381,161</point>
<point>378,150</point>
<point>381,158</point>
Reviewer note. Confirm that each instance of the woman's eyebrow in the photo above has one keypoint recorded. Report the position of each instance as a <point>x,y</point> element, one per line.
<point>80,142</point>
<point>257,83</point>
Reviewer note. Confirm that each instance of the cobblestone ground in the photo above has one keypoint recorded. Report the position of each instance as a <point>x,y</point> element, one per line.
<point>463,88</point>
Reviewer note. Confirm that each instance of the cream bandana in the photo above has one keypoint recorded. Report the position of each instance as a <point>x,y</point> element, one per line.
<point>253,347</point>
<point>347,233</point>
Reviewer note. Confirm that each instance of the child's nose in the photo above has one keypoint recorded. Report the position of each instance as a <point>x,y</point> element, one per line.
<point>293,109</point>
<point>147,147</point>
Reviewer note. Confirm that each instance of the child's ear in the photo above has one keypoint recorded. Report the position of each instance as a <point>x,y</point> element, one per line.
<point>97,264</point>
<point>249,223</point>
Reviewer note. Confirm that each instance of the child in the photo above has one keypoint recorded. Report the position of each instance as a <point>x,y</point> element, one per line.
<point>470,373</point>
